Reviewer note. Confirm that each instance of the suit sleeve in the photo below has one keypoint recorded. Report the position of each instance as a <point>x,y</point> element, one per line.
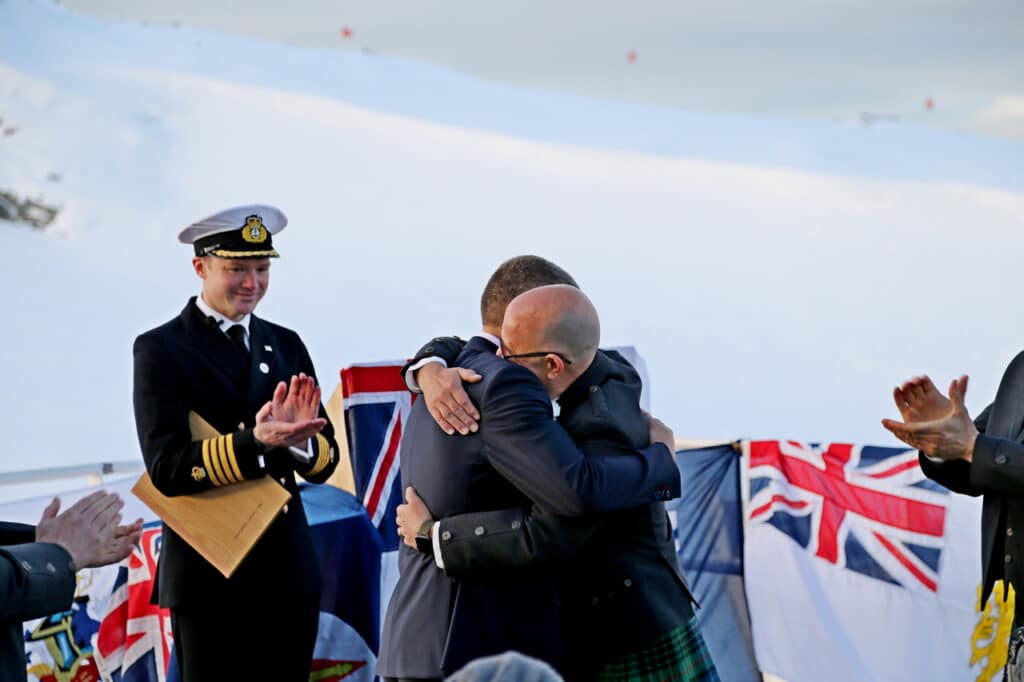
<point>16,533</point>
<point>957,475</point>
<point>177,464</point>
<point>535,454</point>
<point>447,348</point>
<point>36,580</point>
<point>325,446</point>
<point>497,543</point>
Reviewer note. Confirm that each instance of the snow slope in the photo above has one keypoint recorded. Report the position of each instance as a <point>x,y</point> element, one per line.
<point>777,276</point>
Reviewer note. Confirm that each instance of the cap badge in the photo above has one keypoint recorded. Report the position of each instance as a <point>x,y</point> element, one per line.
<point>253,231</point>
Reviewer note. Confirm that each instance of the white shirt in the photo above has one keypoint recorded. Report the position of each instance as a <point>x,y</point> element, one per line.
<point>222,320</point>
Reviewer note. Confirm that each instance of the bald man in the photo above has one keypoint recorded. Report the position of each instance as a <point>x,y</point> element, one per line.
<point>518,456</point>
<point>626,609</point>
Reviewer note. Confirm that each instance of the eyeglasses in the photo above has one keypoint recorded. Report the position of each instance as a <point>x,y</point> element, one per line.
<point>538,354</point>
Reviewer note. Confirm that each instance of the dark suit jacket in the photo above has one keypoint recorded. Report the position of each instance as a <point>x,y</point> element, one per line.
<point>433,624</point>
<point>36,580</point>
<point>621,586</point>
<point>997,472</point>
<point>187,365</point>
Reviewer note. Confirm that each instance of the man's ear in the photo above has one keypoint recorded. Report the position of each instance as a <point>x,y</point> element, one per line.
<point>199,265</point>
<point>555,366</point>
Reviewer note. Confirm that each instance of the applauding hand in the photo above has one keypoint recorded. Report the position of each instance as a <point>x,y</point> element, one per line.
<point>919,401</point>
<point>288,419</point>
<point>948,436</point>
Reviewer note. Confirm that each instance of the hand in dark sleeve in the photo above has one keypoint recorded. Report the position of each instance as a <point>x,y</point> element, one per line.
<point>325,455</point>
<point>177,464</point>
<point>956,474</point>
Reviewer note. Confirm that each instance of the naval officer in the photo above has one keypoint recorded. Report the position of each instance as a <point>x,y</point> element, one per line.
<point>253,381</point>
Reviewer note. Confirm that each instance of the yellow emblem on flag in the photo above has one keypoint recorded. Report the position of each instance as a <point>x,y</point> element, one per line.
<point>198,473</point>
<point>991,636</point>
<point>253,231</point>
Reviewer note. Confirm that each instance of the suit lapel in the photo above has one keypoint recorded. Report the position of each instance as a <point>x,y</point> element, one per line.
<point>1008,420</point>
<point>214,345</point>
<point>1016,428</point>
<point>264,367</point>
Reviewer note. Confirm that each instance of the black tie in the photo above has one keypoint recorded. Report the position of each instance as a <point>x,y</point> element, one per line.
<point>237,334</point>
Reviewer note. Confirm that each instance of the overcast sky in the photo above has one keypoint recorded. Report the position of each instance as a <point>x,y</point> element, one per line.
<point>792,58</point>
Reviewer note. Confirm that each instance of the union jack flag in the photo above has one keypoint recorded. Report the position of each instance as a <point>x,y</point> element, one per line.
<point>377,405</point>
<point>134,641</point>
<point>868,509</point>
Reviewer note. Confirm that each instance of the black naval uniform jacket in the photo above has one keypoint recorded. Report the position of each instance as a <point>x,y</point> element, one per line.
<point>621,584</point>
<point>997,472</point>
<point>189,364</point>
<point>36,580</point>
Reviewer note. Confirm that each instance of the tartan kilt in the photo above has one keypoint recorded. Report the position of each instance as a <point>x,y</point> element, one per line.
<point>678,655</point>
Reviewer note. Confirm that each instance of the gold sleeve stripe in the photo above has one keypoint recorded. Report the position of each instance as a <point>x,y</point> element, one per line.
<point>225,462</point>
<point>323,455</point>
<point>224,466</point>
<point>229,441</point>
<point>209,465</point>
<point>215,458</point>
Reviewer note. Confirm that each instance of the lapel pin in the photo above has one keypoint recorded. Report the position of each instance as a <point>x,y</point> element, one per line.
<point>265,368</point>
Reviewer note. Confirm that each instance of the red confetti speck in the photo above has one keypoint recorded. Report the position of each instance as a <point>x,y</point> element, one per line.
<point>346,32</point>
<point>631,57</point>
<point>929,104</point>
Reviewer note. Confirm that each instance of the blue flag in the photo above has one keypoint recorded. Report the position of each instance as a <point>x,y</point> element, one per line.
<point>709,539</point>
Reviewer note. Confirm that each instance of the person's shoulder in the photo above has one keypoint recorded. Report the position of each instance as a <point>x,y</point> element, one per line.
<point>617,364</point>
<point>489,365</point>
<point>173,328</point>
<point>278,330</point>
<point>1016,364</point>
<point>617,374</point>
<point>504,380</point>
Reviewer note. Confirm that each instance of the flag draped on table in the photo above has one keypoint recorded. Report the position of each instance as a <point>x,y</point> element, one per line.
<point>860,569</point>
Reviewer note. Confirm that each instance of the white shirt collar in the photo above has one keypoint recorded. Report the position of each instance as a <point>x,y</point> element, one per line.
<point>222,320</point>
<point>490,337</point>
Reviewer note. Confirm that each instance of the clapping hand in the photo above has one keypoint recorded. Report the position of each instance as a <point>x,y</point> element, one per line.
<point>291,416</point>
<point>919,401</point>
<point>936,426</point>
<point>89,530</point>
